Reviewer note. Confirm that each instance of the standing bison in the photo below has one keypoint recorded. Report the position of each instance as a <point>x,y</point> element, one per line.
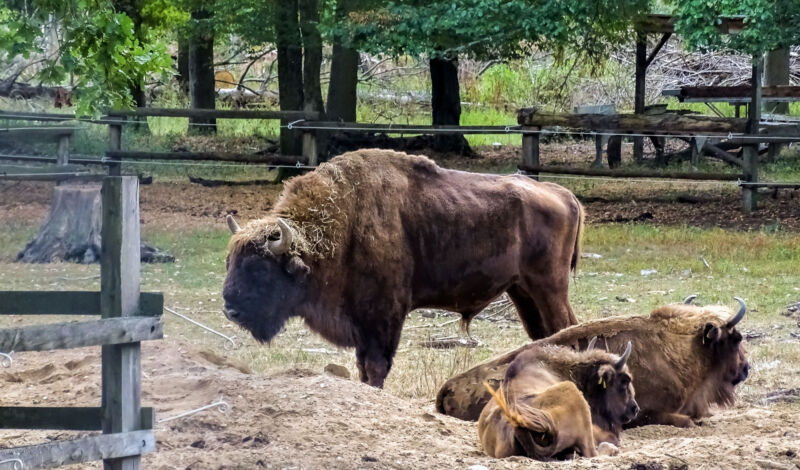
<point>371,235</point>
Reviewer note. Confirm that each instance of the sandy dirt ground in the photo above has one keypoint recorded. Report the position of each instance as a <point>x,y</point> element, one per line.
<point>302,419</point>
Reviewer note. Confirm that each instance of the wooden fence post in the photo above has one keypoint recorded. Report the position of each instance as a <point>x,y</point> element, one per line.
<point>119,281</point>
<point>62,155</point>
<point>639,93</point>
<point>750,151</point>
<point>115,143</point>
<point>530,149</point>
<point>310,151</point>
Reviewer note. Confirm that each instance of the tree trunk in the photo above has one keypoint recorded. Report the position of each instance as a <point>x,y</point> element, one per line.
<point>290,71</point>
<point>312,55</point>
<point>342,98</point>
<point>201,72</point>
<point>446,105</point>
<point>72,232</point>
<point>183,64</point>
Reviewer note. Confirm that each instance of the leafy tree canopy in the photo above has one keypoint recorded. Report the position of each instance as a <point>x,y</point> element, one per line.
<point>769,24</point>
<point>493,28</point>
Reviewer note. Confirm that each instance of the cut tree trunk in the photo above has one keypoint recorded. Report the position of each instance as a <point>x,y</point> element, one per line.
<point>72,230</point>
<point>201,72</point>
<point>312,63</point>
<point>446,105</point>
<point>290,71</point>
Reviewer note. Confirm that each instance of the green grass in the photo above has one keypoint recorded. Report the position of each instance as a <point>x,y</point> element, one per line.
<point>761,267</point>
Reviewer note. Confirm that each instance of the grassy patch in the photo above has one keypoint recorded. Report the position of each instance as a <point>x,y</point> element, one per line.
<point>758,266</point>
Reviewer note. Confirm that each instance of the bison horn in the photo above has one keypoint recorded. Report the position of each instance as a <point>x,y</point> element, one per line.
<point>624,357</point>
<point>739,315</point>
<point>232,224</point>
<point>690,299</point>
<point>284,243</point>
<point>591,343</point>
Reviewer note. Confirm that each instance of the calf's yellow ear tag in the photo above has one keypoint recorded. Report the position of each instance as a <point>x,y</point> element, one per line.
<point>601,382</point>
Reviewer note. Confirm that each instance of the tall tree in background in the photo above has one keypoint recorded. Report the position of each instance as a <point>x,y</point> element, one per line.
<point>290,70</point>
<point>342,88</point>
<point>201,68</point>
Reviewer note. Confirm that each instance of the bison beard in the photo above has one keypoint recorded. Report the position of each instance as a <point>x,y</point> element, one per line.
<point>374,234</point>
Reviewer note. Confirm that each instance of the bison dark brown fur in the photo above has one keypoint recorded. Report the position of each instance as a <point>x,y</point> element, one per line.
<point>355,245</point>
<point>685,359</point>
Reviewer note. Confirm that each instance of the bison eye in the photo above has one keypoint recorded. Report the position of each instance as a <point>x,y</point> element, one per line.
<point>624,380</point>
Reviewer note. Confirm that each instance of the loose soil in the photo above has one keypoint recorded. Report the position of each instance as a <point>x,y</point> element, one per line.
<point>311,419</point>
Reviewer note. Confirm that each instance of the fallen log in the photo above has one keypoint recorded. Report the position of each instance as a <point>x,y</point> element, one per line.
<point>633,123</point>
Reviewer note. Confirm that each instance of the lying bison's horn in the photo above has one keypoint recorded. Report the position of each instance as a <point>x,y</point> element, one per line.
<point>591,343</point>
<point>739,315</point>
<point>232,224</point>
<point>624,357</point>
<point>690,299</point>
<point>284,243</point>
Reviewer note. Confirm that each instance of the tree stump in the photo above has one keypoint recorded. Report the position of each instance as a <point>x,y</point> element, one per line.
<point>72,230</point>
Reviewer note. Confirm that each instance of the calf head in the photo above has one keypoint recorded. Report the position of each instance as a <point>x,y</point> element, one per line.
<point>609,390</point>
<point>264,282</point>
<point>722,344</point>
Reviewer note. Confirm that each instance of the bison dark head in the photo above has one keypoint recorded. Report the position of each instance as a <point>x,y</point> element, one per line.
<point>264,283</point>
<point>610,391</point>
<point>723,346</point>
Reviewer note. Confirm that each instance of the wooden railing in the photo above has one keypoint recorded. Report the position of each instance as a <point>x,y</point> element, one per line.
<point>127,317</point>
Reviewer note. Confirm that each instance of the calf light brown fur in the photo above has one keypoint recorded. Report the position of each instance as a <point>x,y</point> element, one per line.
<point>678,370</point>
<point>539,424</point>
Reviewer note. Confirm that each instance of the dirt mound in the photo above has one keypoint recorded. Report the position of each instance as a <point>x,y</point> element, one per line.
<point>309,419</point>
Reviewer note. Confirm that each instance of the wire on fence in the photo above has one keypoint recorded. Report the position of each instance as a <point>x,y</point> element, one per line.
<point>6,360</point>
<point>230,343</point>
<point>17,464</point>
<point>221,405</point>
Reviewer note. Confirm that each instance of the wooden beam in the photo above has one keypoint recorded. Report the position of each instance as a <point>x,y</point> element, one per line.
<point>81,334</point>
<point>389,128</point>
<point>216,113</point>
<point>36,134</point>
<point>530,151</point>
<point>739,91</point>
<point>119,281</point>
<point>640,75</point>
<point>211,156</point>
<point>69,303</point>
<point>87,449</point>
<point>68,419</point>
<point>563,170</point>
<point>62,153</point>
<point>664,38</point>
<point>633,123</point>
<point>750,151</point>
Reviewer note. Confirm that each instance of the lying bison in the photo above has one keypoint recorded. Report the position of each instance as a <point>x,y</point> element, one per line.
<point>355,245</point>
<point>685,359</point>
<point>537,425</point>
<point>551,425</point>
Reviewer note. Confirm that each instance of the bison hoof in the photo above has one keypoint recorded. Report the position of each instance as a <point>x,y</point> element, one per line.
<point>607,449</point>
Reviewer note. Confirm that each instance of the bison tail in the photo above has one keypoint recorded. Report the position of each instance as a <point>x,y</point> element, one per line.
<point>576,252</point>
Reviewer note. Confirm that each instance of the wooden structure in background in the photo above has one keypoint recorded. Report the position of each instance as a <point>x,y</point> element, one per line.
<point>127,317</point>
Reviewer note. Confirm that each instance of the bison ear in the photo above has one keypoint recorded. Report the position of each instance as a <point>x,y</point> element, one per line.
<point>296,267</point>
<point>711,333</point>
<point>604,375</point>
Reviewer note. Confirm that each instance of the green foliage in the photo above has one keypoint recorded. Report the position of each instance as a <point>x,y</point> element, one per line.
<point>16,35</point>
<point>492,28</point>
<point>769,24</point>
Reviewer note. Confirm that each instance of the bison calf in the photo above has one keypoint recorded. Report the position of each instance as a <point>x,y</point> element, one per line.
<point>537,425</point>
<point>355,245</point>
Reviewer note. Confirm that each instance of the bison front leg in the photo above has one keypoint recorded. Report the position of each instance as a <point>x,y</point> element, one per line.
<point>667,419</point>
